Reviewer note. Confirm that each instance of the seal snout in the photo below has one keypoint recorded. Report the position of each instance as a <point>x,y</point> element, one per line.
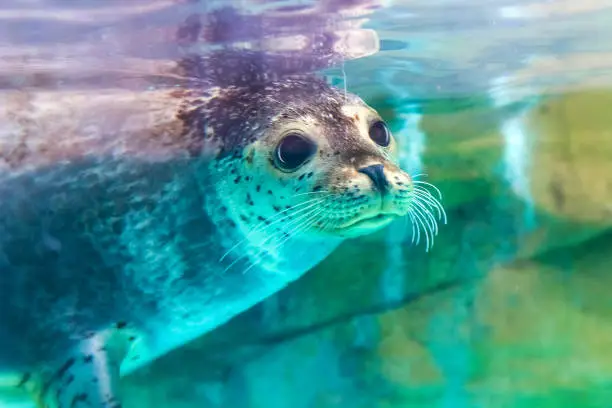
<point>376,173</point>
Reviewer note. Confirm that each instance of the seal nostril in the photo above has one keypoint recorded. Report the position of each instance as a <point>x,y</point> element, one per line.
<point>376,173</point>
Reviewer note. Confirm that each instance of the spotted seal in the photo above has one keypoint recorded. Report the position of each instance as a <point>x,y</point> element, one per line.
<point>134,222</point>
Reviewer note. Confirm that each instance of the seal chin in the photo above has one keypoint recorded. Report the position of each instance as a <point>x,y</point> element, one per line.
<point>366,225</point>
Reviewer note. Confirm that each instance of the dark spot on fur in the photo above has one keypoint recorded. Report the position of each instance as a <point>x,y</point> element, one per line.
<point>64,368</point>
<point>317,188</point>
<point>336,153</point>
<point>223,209</point>
<point>270,192</point>
<point>82,397</point>
<point>260,218</point>
<point>69,379</point>
<point>244,218</point>
<point>276,208</point>
<point>237,180</point>
<point>309,175</point>
<point>258,188</point>
<point>302,177</point>
<point>249,158</point>
<point>88,358</point>
<point>58,375</point>
<point>121,325</point>
<point>132,338</point>
<point>248,178</point>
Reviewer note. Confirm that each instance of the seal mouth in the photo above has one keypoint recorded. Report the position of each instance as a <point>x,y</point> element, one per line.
<point>375,221</point>
<point>366,225</point>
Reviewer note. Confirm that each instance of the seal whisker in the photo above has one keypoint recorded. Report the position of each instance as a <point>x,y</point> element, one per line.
<point>287,213</point>
<point>387,156</point>
<point>425,183</point>
<point>326,222</point>
<point>427,231</point>
<point>310,220</point>
<point>418,175</point>
<point>267,224</point>
<point>418,218</point>
<point>292,214</point>
<point>427,216</point>
<point>431,224</point>
<point>279,233</point>
<point>312,192</point>
<point>265,240</point>
<point>416,232</point>
<point>311,215</point>
<point>426,196</point>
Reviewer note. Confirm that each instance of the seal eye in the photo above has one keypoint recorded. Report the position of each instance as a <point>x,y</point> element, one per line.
<point>293,151</point>
<point>379,133</point>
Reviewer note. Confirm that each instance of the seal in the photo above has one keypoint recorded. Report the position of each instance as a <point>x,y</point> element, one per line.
<point>132,222</point>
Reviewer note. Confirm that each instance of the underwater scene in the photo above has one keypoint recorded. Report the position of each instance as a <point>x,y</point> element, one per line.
<point>305,204</point>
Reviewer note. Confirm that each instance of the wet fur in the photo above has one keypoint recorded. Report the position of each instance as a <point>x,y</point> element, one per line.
<point>133,223</point>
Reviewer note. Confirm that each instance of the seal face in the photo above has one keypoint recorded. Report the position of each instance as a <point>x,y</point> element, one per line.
<point>324,151</point>
<point>154,217</point>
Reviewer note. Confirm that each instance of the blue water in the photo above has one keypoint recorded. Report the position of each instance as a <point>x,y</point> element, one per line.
<point>504,104</point>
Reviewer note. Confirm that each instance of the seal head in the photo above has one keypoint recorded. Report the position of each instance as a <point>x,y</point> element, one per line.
<point>319,163</point>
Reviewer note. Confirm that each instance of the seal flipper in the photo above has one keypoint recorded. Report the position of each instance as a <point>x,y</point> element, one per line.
<point>88,377</point>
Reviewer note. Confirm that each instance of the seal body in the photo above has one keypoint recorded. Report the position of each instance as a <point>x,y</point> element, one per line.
<point>133,222</point>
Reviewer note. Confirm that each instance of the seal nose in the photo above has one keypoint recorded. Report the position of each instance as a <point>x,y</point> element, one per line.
<point>376,173</point>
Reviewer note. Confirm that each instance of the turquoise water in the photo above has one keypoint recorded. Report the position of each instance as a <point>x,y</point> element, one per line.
<point>503,104</point>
